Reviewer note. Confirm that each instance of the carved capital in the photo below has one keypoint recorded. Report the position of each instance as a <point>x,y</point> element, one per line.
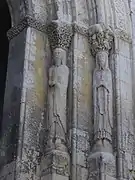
<point>27,21</point>
<point>100,38</point>
<point>59,34</point>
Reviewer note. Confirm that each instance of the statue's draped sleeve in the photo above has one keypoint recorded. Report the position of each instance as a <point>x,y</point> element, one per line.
<point>52,76</point>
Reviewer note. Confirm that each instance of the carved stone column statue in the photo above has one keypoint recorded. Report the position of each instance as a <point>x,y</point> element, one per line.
<point>60,37</point>
<point>58,83</point>
<point>102,96</point>
<point>101,156</point>
<point>57,159</point>
<point>100,43</point>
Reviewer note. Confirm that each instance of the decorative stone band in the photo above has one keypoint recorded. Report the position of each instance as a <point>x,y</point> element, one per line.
<point>123,35</point>
<point>100,38</point>
<point>81,29</point>
<point>102,134</point>
<point>26,22</point>
<point>59,34</point>
<point>29,21</point>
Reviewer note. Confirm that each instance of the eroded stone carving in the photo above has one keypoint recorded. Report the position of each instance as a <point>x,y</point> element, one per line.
<point>58,82</point>
<point>27,21</point>
<point>102,84</point>
<point>60,37</point>
<point>60,34</point>
<point>100,43</point>
<point>100,38</point>
<point>57,162</point>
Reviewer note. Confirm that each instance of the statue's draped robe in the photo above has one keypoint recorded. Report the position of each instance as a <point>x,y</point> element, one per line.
<point>58,83</point>
<point>103,120</point>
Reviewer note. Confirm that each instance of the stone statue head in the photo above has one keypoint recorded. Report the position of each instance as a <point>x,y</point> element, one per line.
<point>59,56</point>
<point>102,59</point>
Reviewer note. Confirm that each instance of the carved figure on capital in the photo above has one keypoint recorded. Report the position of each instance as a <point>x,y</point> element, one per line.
<point>100,43</point>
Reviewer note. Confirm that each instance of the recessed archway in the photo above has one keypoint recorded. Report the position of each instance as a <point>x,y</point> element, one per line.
<point>5,20</point>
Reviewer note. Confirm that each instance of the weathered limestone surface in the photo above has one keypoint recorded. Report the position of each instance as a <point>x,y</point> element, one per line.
<point>33,98</point>
<point>25,112</point>
<point>69,101</point>
<point>11,114</point>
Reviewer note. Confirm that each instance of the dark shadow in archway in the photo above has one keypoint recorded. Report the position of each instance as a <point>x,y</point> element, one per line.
<point>5,21</point>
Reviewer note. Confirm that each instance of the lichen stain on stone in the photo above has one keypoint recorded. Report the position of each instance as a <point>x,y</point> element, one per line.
<point>39,70</point>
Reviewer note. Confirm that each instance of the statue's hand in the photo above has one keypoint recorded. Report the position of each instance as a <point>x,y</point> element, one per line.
<point>51,83</point>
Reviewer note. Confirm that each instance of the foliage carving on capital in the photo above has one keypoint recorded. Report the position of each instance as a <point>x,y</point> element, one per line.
<point>59,34</point>
<point>100,38</point>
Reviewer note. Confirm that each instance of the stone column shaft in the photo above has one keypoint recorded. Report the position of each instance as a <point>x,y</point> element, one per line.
<point>24,99</point>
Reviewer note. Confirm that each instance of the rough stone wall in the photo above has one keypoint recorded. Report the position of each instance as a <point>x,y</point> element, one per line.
<point>11,114</point>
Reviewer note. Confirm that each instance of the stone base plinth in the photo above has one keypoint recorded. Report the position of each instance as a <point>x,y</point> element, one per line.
<point>55,166</point>
<point>102,166</point>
